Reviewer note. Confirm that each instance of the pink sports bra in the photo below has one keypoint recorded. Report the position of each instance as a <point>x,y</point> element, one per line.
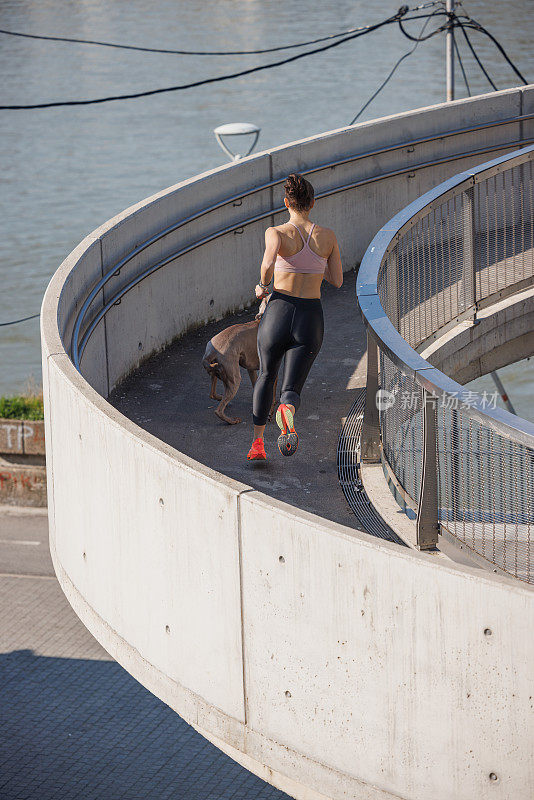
<point>303,261</point>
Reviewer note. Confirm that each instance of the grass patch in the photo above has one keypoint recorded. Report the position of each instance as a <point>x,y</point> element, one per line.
<point>26,405</point>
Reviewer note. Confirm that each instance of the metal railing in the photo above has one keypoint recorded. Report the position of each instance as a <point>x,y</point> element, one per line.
<point>467,469</point>
<point>83,328</point>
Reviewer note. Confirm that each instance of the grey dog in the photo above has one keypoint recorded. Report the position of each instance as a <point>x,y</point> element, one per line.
<point>232,348</point>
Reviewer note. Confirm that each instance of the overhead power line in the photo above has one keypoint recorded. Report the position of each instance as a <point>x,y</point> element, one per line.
<point>392,72</point>
<point>16,321</point>
<point>464,21</point>
<point>422,38</point>
<point>476,26</point>
<point>55,104</point>
<point>477,59</point>
<point>167,51</point>
<point>457,50</point>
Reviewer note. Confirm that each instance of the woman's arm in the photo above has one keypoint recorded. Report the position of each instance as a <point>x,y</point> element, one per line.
<point>334,270</point>
<point>272,245</point>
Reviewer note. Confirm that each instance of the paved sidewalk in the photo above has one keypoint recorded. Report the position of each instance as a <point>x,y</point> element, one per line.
<point>169,397</point>
<point>73,724</point>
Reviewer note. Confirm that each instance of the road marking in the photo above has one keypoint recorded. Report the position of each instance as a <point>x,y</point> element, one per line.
<point>17,541</point>
<point>27,575</point>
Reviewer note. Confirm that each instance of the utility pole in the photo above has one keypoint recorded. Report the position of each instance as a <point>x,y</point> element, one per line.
<point>450,53</point>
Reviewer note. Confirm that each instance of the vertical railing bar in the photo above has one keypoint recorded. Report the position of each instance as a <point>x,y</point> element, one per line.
<point>447,476</point>
<point>456,240</point>
<point>405,280</point>
<point>449,256</point>
<point>530,481</point>
<point>512,211</point>
<point>426,297</point>
<point>417,269</point>
<point>502,484</point>
<point>481,485</point>
<point>453,275</point>
<point>412,289</point>
<point>397,286</point>
<point>469,267</point>
<point>478,242</point>
<point>487,241</point>
<point>455,468</point>
<point>493,485</point>
<point>522,216</point>
<point>436,262</point>
<point>420,295</point>
<point>461,492</point>
<point>505,228</point>
<point>370,436</point>
<point>494,289</point>
<point>413,450</point>
<point>427,511</point>
<point>400,273</point>
<point>469,477</point>
<point>428,283</point>
<point>531,215</point>
<point>516,506</point>
<point>443,282</point>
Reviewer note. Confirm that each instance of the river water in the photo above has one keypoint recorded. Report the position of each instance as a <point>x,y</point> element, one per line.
<point>66,170</point>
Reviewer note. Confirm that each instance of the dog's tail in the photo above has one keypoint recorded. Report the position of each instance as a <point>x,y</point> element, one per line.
<point>212,366</point>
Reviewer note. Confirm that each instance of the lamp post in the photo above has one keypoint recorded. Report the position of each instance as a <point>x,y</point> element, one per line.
<point>237,129</point>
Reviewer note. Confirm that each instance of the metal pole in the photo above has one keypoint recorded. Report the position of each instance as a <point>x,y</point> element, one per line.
<point>469,294</point>
<point>428,512</point>
<point>450,53</point>
<point>502,391</point>
<point>370,436</point>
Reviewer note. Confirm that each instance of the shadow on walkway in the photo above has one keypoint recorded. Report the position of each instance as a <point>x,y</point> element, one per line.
<point>82,728</point>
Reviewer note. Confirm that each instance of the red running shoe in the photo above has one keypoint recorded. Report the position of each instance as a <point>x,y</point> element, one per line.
<point>288,441</point>
<point>257,451</point>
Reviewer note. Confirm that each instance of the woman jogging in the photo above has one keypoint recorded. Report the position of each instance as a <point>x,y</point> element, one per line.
<point>298,254</point>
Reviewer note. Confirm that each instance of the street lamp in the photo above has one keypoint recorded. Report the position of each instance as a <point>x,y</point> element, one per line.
<point>237,129</point>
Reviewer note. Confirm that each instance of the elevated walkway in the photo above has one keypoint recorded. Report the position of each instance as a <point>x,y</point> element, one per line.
<point>332,663</point>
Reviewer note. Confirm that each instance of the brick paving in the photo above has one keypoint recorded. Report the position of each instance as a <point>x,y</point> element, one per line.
<point>73,723</point>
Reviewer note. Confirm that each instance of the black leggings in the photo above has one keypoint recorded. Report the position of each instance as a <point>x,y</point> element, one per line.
<point>290,326</point>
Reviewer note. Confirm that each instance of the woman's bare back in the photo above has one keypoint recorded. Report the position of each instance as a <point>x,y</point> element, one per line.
<point>322,242</point>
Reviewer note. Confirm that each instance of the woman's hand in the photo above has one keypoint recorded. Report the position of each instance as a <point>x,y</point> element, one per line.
<point>260,292</point>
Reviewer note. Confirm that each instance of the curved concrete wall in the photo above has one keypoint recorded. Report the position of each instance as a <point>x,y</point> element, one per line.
<point>503,335</point>
<point>331,663</point>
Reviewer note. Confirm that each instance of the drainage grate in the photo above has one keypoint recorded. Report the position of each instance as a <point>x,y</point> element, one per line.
<point>348,472</point>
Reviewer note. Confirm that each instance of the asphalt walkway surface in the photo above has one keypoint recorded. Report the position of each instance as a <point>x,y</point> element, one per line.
<point>169,397</point>
<point>74,725</point>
